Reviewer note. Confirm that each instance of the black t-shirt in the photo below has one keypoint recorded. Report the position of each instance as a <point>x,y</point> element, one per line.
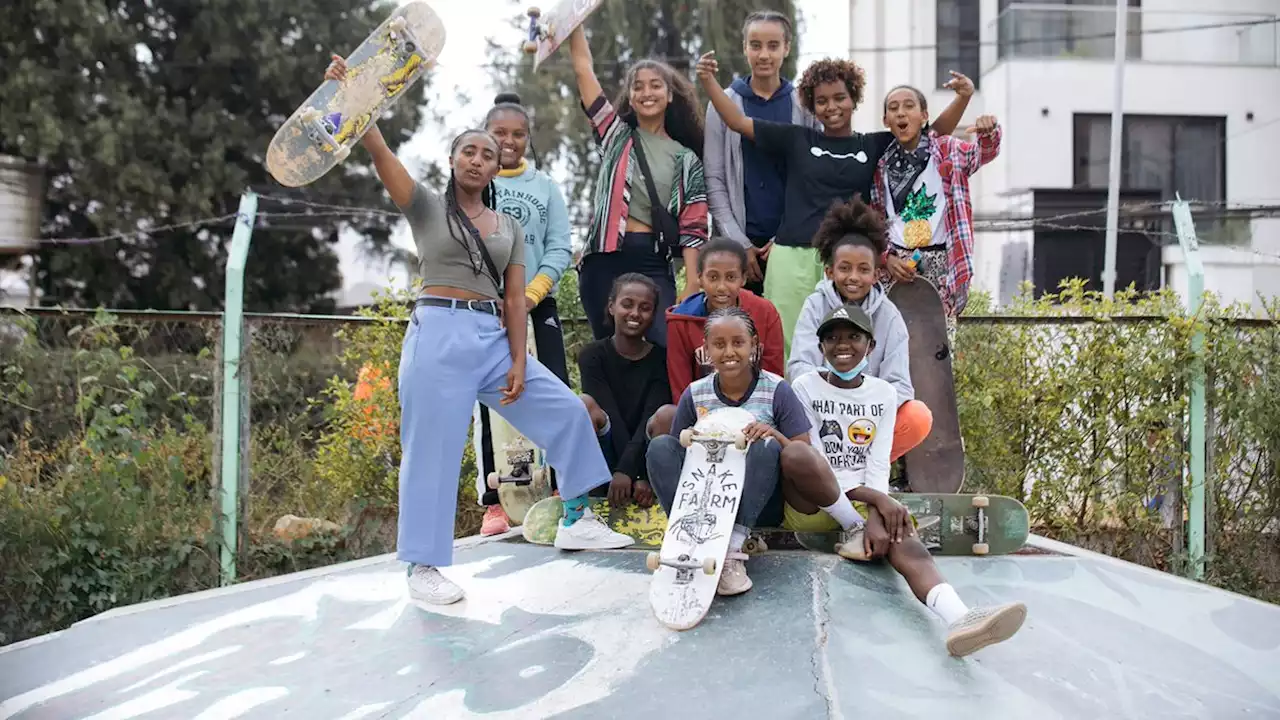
<point>629,392</point>
<point>820,170</point>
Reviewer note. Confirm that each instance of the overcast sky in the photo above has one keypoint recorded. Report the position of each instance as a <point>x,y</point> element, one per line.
<point>461,69</point>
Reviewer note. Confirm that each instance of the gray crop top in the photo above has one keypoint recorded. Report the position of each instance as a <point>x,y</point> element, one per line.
<point>443,261</point>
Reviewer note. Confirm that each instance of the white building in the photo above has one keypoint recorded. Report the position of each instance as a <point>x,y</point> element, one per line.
<point>1202,119</point>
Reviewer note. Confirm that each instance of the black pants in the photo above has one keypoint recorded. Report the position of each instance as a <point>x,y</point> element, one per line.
<point>758,287</point>
<point>549,340</point>
<point>599,270</point>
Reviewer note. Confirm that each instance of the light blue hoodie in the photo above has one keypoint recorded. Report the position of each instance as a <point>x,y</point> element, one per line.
<point>889,360</point>
<point>533,199</point>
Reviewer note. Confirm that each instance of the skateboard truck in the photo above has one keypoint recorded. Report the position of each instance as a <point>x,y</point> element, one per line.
<point>399,29</point>
<point>313,120</point>
<point>654,560</point>
<point>981,547</point>
<point>537,31</point>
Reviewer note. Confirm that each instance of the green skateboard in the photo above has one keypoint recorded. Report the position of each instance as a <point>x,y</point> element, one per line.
<point>953,524</point>
<point>645,525</point>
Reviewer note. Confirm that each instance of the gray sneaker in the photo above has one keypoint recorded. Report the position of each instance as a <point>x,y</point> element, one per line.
<point>981,627</point>
<point>428,585</point>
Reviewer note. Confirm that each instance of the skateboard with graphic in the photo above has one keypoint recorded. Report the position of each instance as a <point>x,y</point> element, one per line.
<point>645,525</point>
<point>320,133</point>
<point>547,32</point>
<point>687,568</point>
<point>519,471</point>
<point>950,524</point>
<point>937,464</point>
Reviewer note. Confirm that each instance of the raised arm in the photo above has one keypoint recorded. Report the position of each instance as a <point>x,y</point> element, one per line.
<point>580,53</point>
<point>731,114</point>
<point>391,172</point>
<point>949,119</point>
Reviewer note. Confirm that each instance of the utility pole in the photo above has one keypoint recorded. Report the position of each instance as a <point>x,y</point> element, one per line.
<point>1117,129</point>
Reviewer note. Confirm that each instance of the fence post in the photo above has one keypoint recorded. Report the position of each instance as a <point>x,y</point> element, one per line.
<point>232,329</point>
<point>1195,291</point>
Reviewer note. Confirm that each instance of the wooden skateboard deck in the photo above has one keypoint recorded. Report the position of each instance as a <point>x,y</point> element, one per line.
<point>520,473</point>
<point>320,133</point>
<point>937,464</point>
<point>954,524</point>
<point>646,525</point>
<point>548,31</point>
<point>687,567</point>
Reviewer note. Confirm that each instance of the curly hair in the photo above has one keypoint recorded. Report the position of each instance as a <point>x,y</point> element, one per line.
<point>851,223</point>
<point>683,119</point>
<point>831,70</point>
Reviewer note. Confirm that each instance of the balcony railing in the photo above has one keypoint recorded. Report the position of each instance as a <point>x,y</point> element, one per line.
<point>1023,32</point>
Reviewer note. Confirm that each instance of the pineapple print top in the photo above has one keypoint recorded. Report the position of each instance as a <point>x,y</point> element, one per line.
<point>919,222</point>
<point>821,169</point>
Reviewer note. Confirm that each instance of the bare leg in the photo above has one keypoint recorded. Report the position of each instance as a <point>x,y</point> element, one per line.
<point>808,485</point>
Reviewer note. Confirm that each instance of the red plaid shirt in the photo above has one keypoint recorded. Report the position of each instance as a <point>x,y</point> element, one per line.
<point>957,159</point>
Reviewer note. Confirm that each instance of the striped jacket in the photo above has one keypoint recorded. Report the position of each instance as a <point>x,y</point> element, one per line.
<point>612,196</point>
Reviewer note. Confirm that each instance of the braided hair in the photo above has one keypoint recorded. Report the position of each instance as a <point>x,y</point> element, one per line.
<point>510,102</point>
<point>736,313</point>
<point>461,229</point>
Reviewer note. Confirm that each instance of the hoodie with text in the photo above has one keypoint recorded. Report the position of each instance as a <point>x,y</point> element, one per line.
<point>889,360</point>
<point>687,359</point>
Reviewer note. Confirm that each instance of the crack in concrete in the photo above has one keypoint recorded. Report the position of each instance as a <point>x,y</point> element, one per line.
<point>823,683</point>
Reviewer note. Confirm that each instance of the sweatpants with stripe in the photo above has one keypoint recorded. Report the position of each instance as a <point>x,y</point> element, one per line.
<point>450,358</point>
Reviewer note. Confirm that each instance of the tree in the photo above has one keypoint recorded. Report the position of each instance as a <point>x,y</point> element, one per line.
<point>149,113</point>
<point>675,31</point>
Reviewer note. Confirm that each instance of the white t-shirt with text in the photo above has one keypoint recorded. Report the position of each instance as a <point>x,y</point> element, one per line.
<point>852,428</point>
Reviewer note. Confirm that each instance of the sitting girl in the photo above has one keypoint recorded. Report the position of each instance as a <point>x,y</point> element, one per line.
<point>851,242</point>
<point>624,382</point>
<point>922,186</point>
<point>733,346</point>
<point>852,417</point>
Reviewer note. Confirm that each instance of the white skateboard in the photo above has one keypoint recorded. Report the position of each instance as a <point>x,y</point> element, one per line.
<point>687,568</point>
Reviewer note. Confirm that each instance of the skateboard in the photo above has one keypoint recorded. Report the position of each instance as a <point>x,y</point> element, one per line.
<point>547,32</point>
<point>937,464</point>
<point>687,568</point>
<point>645,525</point>
<point>320,133</point>
<point>953,524</point>
<point>520,472</point>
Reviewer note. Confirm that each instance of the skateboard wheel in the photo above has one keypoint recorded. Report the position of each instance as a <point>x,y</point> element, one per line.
<point>981,501</point>
<point>740,442</point>
<point>686,437</point>
<point>534,12</point>
<point>397,24</point>
<point>709,566</point>
<point>309,115</point>
<point>981,548</point>
<point>652,561</point>
<point>754,546</point>
<point>492,481</point>
<point>342,153</point>
<point>529,47</point>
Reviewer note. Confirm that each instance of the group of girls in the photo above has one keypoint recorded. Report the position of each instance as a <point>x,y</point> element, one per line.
<point>783,313</point>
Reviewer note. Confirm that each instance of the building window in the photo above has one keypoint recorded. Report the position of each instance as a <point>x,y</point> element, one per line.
<point>959,35</point>
<point>1168,154</point>
<point>1075,29</point>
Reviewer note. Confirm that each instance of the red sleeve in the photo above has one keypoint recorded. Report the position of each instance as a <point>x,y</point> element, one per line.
<point>679,363</point>
<point>771,334</point>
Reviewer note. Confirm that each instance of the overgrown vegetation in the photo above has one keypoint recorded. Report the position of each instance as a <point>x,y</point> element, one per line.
<point>107,483</point>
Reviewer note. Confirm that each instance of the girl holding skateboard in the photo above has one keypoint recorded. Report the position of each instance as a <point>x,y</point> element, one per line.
<point>851,243</point>
<point>466,342</point>
<point>530,196</point>
<point>922,186</point>
<point>846,468</point>
<point>650,195</point>
<point>624,382</point>
<point>821,167</point>
<point>733,347</point>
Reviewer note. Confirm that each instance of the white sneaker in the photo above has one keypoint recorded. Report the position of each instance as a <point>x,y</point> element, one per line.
<point>984,626</point>
<point>734,580</point>
<point>852,544</point>
<point>428,585</point>
<point>589,533</point>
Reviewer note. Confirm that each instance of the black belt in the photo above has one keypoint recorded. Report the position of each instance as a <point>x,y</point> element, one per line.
<point>489,307</point>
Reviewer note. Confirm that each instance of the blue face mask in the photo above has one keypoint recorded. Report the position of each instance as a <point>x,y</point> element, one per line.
<point>847,376</point>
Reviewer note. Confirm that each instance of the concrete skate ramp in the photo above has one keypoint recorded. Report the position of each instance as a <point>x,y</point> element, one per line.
<point>551,634</point>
